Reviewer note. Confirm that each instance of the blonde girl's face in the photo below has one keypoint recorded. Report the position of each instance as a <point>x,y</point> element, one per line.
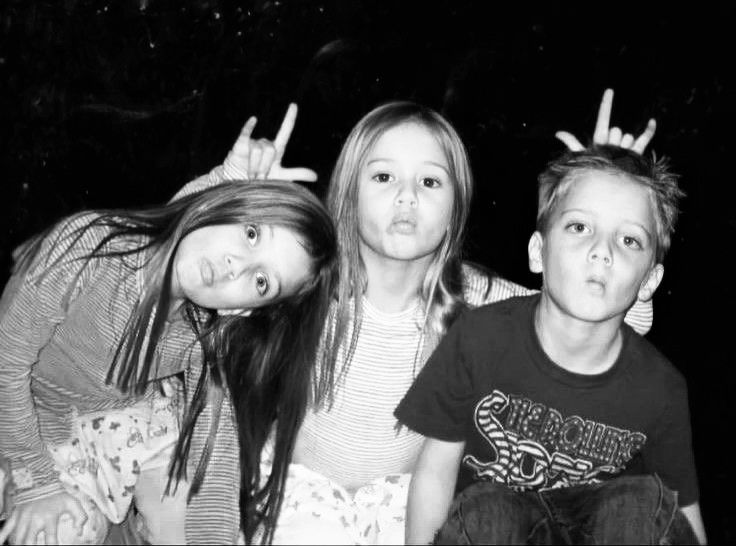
<point>238,267</point>
<point>405,195</point>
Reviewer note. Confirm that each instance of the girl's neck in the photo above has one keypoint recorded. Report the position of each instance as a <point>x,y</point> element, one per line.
<point>393,285</point>
<point>576,345</point>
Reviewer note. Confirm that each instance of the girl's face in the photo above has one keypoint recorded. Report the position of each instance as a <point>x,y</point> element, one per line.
<point>237,267</point>
<point>405,195</point>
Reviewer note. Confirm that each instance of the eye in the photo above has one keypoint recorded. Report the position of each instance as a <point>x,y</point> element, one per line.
<point>261,284</point>
<point>251,232</point>
<point>382,178</point>
<point>429,182</point>
<point>632,242</point>
<point>577,228</point>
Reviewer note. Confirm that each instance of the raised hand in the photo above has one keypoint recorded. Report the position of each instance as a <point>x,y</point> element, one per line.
<point>252,159</point>
<point>613,136</point>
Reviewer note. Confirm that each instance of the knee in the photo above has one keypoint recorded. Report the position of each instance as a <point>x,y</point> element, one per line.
<point>313,528</point>
<point>489,513</point>
<point>629,509</point>
<point>647,493</point>
<point>487,498</point>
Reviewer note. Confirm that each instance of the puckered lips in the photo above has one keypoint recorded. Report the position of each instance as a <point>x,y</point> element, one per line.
<point>596,284</point>
<point>207,272</point>
<point>403,224</point>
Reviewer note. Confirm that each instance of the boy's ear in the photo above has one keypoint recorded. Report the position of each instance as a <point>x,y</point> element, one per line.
<point>651,282</point>
<point>241,312</point>
<point>536,242</point>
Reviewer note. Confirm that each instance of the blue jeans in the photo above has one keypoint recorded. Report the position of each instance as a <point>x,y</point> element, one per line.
<point>625,510</point>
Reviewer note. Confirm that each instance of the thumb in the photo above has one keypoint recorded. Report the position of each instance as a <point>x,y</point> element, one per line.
<point>302,174</point>
<point>569,140</point>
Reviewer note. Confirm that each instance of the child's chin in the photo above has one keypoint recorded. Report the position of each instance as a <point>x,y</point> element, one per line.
<point>593,311</point>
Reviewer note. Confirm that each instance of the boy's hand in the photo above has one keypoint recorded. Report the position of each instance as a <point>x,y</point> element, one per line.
<point>612,136</point>
<point>29,519</point>
<point>258,159</point>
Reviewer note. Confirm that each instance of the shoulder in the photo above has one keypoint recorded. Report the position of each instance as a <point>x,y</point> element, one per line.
<point>500,316</point>
<point>652,368</point>
<point>67,240</point>
<point>482,286</point>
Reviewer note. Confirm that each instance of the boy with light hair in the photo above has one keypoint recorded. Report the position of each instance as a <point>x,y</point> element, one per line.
<point>551,417</point>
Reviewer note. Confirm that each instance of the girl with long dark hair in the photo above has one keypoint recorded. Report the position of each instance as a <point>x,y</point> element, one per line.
<point>115,319</point>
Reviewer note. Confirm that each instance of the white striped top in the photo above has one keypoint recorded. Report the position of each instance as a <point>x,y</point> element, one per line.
<point>58,334</point>
<point>356,440</point>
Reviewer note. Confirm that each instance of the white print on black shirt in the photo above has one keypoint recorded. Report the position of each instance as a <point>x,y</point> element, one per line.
<point>536,447</point>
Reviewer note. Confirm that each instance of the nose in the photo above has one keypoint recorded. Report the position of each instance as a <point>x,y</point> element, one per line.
<point>407,194</point>
<point>235,266</point>
<point>601,251</point>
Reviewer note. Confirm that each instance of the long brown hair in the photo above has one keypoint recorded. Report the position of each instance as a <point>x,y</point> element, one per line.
<point>264,361</point>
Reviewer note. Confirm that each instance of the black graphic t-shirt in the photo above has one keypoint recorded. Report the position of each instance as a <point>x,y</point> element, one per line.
<point>531,424</point>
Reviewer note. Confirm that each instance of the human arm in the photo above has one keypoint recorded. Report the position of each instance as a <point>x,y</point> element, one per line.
<point>33,305</point>
<point>612,136</point>
<point>251,159</point>
<point>6,488</point>
<point>432,488</point>
<point>695,519</point>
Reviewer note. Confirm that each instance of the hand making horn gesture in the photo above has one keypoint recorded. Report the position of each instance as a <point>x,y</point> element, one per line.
<point>252,159</point>
<point>612,136</point>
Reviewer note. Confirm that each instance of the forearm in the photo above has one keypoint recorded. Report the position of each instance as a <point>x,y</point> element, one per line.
<point>20,441</point>
<point>212,178</point>
<point>22,334</point>
<point>693,516</point>
<point>427,507</point>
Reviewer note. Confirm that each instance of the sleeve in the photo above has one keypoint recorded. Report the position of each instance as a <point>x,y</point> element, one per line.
<point>212,178</point>
<point>6,485</point>
<point>670,453</point>
<point>438,402</point>
<point>483,288</point>
<point>33,304</point>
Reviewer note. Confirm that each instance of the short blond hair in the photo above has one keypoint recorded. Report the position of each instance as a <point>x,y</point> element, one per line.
<point>654,174</point>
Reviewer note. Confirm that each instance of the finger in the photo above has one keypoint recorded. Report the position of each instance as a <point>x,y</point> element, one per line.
<point>269,154</point>
<point>242,143</point>
<point>21,534</point>
<point>22,528</point>
<point>569,140</point>
<point>627,140</point>
<point>78,513</point>
<point>247,129</point>
<point>643,141</point>
<point>254,161</point>
<point>600,136</point>
<point>7,528</point>
<point>302,174</point>
<point>614,137</point>
<point>50,530</point>
<point>284,134</point>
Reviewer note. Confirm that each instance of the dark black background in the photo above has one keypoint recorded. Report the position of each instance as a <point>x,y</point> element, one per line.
<point>118,103</point>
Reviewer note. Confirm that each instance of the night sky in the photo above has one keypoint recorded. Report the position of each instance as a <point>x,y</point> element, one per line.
<point>112,104</point>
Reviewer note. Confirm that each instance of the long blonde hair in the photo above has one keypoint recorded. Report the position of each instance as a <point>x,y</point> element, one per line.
<point>441,290</point>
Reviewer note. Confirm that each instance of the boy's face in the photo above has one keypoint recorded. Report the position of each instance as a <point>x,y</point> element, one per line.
<point>598,254</point>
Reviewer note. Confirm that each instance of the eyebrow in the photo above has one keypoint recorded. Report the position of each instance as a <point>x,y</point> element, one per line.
<point>277,291</point>
<point>274,274</point>
<point>429,162</point>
